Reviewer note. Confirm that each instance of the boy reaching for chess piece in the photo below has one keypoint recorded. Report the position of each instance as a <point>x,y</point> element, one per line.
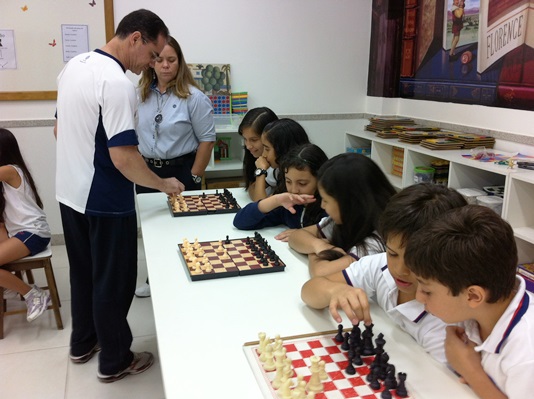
<point>384,277</point>
<point>465,263</point>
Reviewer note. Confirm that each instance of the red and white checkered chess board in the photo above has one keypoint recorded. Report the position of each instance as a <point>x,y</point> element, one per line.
<point>339,384</point>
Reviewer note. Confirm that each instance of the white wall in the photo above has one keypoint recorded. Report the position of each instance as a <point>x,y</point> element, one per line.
<point>295,56</point>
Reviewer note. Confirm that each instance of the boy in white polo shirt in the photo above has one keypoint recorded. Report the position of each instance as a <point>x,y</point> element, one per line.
<point>384,277</point>
<point>465,263</point>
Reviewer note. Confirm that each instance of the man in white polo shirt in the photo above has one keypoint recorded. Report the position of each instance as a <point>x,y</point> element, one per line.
<point>97,164</point>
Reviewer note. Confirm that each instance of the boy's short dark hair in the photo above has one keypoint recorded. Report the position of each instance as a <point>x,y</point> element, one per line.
<point>414,207</point>
<point>144,21</point>
<point>467,246</point>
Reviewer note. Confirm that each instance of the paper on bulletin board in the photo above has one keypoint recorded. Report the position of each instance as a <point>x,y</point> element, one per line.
<point>75,40</point>
<point>8,57</point>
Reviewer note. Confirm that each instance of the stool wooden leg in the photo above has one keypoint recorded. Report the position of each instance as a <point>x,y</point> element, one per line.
<point>53,293</point>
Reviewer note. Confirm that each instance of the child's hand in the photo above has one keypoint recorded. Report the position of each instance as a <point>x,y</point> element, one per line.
<point>353,301</point>
<point>461,354</point>
<point>287,200</point>
<point>284,235</point>
<point>262,163</point>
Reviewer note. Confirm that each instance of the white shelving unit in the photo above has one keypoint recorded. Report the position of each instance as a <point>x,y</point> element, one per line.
<point>518,205</point>
<point>227,126</point>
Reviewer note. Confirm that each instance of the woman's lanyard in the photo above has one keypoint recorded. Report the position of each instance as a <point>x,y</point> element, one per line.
<point>159,116</point>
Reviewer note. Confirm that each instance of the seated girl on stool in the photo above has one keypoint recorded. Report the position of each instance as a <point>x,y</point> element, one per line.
<point>354,193</point>
<point>298,207</point>
<point>23,227</point>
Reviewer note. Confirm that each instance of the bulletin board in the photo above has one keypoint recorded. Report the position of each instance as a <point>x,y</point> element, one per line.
<point>35,27</point>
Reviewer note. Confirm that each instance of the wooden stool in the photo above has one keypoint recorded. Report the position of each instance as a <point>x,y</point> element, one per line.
<point>27,264</point>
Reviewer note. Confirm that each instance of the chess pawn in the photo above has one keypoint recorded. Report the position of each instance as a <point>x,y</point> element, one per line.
<point>197,268</point>
<point>278,378</point>
<point>263,337</point>
<point>269,364</point>
<point>209,269</point>
<point>322,370</point>
<point>266,342</point>
<point>285,390</point>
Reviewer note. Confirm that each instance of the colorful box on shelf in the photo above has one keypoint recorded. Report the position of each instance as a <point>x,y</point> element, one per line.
<point>360,150</point>
<point>221,104</point>
<point>221,150</point>
<point>240,102</point>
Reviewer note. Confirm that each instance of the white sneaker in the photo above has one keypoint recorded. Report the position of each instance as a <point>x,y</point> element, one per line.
<point>143,291</point>
<point>37,301</point>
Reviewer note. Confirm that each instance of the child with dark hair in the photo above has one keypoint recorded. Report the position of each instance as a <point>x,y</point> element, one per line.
<point>465,263</point>
<point>384,277</point>
<point>296,208</point>
<point>255,167</point>
<point>23,227</point>
<point>278,138</point>
<point>354,192</point>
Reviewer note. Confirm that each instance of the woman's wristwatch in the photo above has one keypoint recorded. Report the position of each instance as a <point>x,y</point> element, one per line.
<point>258,172</point>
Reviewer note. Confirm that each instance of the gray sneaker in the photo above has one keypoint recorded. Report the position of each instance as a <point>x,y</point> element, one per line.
<point>86,357</point>
<point>37,301</point>
<point>141,362</point>
<point>143,291</point>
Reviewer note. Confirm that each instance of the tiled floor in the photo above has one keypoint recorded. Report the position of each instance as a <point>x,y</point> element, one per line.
<point>34,356</point>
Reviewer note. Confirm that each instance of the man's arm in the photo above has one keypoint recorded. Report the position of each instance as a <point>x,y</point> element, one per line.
<point>130,163</point>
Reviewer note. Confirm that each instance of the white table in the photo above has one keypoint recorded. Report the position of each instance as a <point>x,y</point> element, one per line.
<point>201,326</point>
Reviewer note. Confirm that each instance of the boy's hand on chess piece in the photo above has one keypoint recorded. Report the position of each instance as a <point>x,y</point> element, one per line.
<point>353,301</point>
<point>284,235</point>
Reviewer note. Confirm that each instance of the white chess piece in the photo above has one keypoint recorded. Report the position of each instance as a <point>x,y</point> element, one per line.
<point>315,384</point>
<point>269,364</point>
<point>322,370</point>
<point>262,336</point>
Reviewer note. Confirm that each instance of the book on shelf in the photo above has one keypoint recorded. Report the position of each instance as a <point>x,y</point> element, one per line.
<point>504,25</point>
<point>429,29</point>
<point>408,39</point>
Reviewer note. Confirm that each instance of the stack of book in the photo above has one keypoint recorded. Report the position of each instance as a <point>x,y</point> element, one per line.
<point>387,126</point>
<point>416,136</point>
<point>441,144</point>
<point>397,161</point>
<point>240,103</point>
<point>472,140</point>
<point>526,270</point>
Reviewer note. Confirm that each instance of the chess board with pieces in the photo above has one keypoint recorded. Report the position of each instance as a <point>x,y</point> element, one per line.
<point>203,204</point>
<point>326,365</point>
<point>230,257</point>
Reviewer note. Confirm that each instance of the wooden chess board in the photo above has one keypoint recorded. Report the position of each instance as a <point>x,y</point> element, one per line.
<point>222,201</point>
<point>338,385</point>
<point>244,256</point>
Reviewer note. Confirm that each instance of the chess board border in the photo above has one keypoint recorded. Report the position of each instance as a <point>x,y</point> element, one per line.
<point>249,349</point>
<point>232,273</point>
<point>205,211</point>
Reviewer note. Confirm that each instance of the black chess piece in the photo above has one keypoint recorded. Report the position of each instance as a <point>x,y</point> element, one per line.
<point>350,368</point>
<point>401,386</point>
<point>390,382</point>
<point>357,360</point>
<point>368,348</point>
<point>386,394</point>
<point>339,335</point>
<point>345,345</point>
<point>355,334</point>
<point>204,195</point>
<point>380,341</point>
<point>373,382</point>
<point>227,241</point>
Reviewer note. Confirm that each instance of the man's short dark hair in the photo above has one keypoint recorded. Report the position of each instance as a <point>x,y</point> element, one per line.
<point>144,21</point>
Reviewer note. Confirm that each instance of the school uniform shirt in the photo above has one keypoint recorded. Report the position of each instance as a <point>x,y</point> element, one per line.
<point>185,123</point>
<point>371,274</point>
<point>508,352</point>
<point>21,212</point>
<point>89,122</point>
<point>326,229</point>
<point>251,218</point>
<point>270,180</point>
